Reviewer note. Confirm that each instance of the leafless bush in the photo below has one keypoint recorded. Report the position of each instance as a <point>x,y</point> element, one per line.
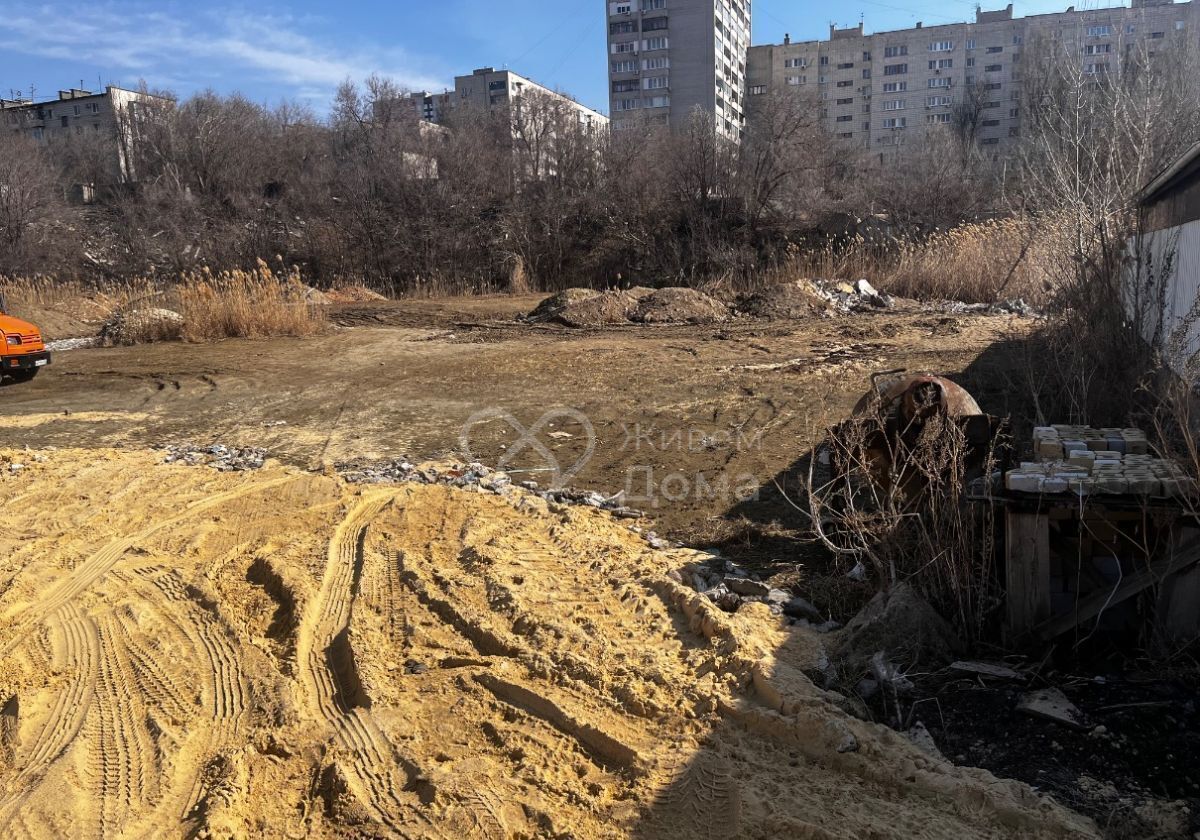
<point>898,505</point>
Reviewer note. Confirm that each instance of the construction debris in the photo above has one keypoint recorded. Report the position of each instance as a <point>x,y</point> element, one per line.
<point>1051,704</point>
<point>217,456</point>
<point>986,669</point>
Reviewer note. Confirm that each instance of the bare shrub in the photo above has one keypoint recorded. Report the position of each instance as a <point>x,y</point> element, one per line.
<point>899,506</point>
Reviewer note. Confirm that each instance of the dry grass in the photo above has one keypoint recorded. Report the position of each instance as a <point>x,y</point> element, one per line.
<point>259,303</point>
<point>984,262</point>
<point>246,304</point>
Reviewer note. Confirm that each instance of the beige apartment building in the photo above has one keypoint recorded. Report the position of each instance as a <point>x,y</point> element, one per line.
<point>116,113</point>
<point>491,88</point>
<point>876,90</point>
<point>666,58</point>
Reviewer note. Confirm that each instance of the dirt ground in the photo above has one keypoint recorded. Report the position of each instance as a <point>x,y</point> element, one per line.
<point>687,420</point>
<point>278,654</point>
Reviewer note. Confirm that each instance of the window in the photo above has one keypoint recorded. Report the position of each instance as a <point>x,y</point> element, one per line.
<point>989,141</point>
<point>621,8</point>
<point>866,56</point>
<point>991,123</point>
<point>822,79</point>
<point>845,135</point>
<point>823,61</point>
<point>1095,69</point>
<point>65,122</point>
<point>1099,31</point>
<point>1097,49</point>
<point>625,86</point>
<point>935,119</point>
<point>1013,131</point>
<point>893,105</point>
<point>75,109</point>
<point>845,118</point>
<point>656,83</point>
<point>992,86</point>
<point>1157,35</point>
<point>795,62</point>
<point>846,83</point>
<point>971,62</point>
<point>846,65</point>
<point>758,90</point>
<point>660,62</point>
<point>626,66</point>
<point>895,122</point>
<point>994,50</point>
<point>894,69</point>
<point>849,100</point>
<point>893,52</point>
<point>622,26</point>
<point>866,74</point>
<point>970,43</point>
<point>941,46</point>
<point>993,68</point>
<point>651,5</point>
<point>937,101</point>
<point>895,87</point>
<point>796,80</point>
<point>939,83</point>
<point>1018,40</point>
<point>658,102</point>
<point>1014,112</point>
<point>941,64</point>
<point>654,24</point>
<point>1130,29</point>
<point>621,49</point>
<point>1180,26</point>
<point>659,43</point>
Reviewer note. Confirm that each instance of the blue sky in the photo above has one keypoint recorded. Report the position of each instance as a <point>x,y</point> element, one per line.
<point>301,50</point>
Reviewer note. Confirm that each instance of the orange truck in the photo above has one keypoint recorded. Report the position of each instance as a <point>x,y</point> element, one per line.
<point>22,351</point>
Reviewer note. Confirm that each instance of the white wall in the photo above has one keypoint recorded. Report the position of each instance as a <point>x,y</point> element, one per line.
<point>1165,298</point>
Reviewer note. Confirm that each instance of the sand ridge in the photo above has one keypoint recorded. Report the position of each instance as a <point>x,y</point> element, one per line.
<point>277,653</point>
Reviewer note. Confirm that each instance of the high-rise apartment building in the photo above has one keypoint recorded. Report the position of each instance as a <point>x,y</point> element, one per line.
<point>875,90</point>
<point>669,57</point>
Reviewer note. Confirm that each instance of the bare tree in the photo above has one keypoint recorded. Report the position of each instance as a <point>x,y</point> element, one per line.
<point>29,195</point>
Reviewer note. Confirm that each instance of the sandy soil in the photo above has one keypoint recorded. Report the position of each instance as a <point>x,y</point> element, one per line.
<point>278,654</point>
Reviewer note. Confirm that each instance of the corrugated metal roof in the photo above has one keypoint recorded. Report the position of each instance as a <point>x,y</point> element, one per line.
<point>1168,175</point>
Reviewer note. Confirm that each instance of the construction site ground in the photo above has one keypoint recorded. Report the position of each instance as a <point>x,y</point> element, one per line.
<point>278,653</point>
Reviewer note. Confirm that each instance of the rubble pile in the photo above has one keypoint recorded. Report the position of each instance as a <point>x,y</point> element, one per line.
<point>729,586</point>
<point>139,325</point>
<point>858,296</point>
<point>216,455</point>
<point>476,477</point>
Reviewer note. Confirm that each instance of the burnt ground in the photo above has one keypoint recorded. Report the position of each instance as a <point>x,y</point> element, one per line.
<point>684,418</point>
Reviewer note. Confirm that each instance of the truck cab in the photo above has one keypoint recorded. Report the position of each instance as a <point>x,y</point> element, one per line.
<point>22,351</point>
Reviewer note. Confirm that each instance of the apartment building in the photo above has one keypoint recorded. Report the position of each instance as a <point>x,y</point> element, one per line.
<point>669,57</point>
<point>877,90</point>
<point>491,88</point>
<point>75,113</point>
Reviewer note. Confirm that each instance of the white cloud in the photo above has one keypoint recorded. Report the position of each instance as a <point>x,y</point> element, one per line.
<point>225,46</point>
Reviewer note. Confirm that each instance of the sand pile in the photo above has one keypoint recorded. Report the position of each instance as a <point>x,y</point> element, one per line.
<point>590,308</point>
<point>274,653</point>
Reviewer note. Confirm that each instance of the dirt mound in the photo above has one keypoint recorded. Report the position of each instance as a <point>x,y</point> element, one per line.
<point>590,308</point>
<point>560,301</point>
<point>139,326</point>
<point>795,299</point>
<point>679,306</point>
<point>276,653</point>
<point>353,294</point>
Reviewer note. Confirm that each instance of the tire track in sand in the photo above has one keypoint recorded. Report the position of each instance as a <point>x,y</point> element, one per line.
<point>92,569</point>
<point>374,772</point>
